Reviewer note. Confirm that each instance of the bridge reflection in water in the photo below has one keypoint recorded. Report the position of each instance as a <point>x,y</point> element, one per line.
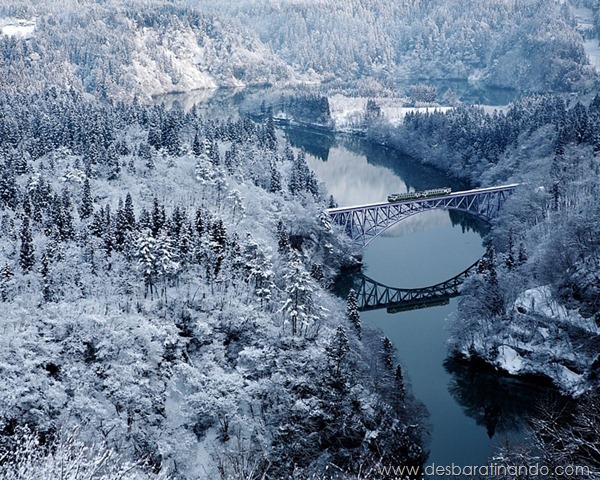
<point>373,295</point>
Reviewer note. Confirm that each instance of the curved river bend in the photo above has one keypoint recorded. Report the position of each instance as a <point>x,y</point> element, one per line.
<point>471,412</point>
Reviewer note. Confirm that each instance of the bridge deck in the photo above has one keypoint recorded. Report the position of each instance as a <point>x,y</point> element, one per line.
<point>474,191</point>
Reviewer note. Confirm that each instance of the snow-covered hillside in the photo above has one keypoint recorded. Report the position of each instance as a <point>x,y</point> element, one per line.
<point>144,48</point>
<point>149,48</point>
<point>163,292</point>
<point>530,45</point>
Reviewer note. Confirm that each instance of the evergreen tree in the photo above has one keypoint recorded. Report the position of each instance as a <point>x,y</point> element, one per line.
<point>201,221</point>
<point>185,243</point>
<point>27,206</point>
<point>283,239</point>
<point>299,301</point>
<point>46,280</point>
<point>8,188</point>
<point>275,184</point>
<point>218,237</point>
<point>145,220</point>
<point>129,213</point>
<point>155,137</point>
<point>387,354</point>
<point>62,218</point>
<point>211,149</point>
<point>27,256</point>
<point>299,174</point>
<point>159,217</point>
<point>147,261</point>
<point>37,213</point>
<point>121,228</point>
<point>337,352</point>
<point>145,153</point>
<point>170,134</point>
<point>6,281</point>
<point>352,312</point>
<point>176,223</point>
<point>196,145</point>
<point>87,203</point>
<point>113,163</point>
<point>231,158</point>
<point>98,223</point>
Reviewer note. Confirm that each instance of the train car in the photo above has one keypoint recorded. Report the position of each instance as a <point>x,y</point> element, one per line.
<point>435,192</point>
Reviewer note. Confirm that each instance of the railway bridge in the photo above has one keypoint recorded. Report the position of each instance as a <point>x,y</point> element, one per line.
<point>365,222</point>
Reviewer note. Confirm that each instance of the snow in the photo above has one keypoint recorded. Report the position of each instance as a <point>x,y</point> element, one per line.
<point>395,114</point>
<point>569,379</point>
<point>183,54</point>
<point>536,341</point>
<point>539,300</point>
<point>585,23</point>
<point>508,359</point>
<point>584,18</point>
<point>348,112</point>
<point>17,27</point>
<point>592,50</point>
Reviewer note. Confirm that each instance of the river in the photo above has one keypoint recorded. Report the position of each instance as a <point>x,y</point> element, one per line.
<point>471,411</point>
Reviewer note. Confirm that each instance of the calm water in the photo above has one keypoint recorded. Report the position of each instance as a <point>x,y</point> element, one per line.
<point>471,412</point>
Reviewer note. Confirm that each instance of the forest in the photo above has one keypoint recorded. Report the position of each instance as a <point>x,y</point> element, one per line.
<point>377,45</point>
<point>143,48</point>
<point>541,267</point>
<point>165,274</point>
<point>164,293</point>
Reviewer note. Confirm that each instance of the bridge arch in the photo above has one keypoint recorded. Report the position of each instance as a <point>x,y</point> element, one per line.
<point>363,223</point>
<point>373,295</point>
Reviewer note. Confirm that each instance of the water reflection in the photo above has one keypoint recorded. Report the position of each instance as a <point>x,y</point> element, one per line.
<point>414,174</point>
<point>373,295</point>
<point>467,405</point>
<point>500,404</point>
<point>356,171</point>
<point>318,144</point>
<point>464,401</point>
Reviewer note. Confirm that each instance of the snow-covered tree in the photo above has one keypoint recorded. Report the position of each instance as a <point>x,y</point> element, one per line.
<point>353,313</point>
<point>299,303</point>
<point>27,255</point>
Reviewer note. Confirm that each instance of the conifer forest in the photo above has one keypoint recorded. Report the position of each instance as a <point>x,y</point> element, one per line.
<point>168,264</point>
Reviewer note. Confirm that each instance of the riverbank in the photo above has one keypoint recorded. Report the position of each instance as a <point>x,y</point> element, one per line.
<point>532,358</point>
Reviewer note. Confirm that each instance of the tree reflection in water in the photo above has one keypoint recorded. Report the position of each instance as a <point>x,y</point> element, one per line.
<point>501,404</point>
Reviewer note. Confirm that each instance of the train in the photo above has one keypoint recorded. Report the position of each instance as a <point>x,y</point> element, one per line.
<point>435,192</point>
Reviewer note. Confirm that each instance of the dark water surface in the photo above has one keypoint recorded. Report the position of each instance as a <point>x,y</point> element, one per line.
<point>472,412</point>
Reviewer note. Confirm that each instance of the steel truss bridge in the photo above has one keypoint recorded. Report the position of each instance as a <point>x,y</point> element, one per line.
<point>365,222</point>
<point>372,295</point>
